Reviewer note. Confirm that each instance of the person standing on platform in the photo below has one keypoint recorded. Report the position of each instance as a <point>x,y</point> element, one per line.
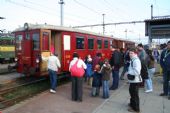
<point>115,63</point>
<point>89,70</point>
<point>144,71</point>
<point>151,71</point>
<point>165,64</point>
<point>135,71</point>
<point>97,60</point>
<point>106,71</point>
<point>126,64</point>
<point>53,65</point>
<point>77,78</point>
<point>97,81</point>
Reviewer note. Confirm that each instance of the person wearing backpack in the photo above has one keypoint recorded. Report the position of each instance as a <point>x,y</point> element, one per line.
<point>76,68</point>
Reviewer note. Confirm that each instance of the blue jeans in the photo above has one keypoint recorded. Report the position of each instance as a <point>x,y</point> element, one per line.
<point>105,89</point>
<point>148,82</point>
<point>53,78</point>
<point>115,75</point>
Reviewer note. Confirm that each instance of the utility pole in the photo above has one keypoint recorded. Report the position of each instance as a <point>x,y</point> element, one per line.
<point>151,11</point>
<point>61,11</point>
<point>103,24</point>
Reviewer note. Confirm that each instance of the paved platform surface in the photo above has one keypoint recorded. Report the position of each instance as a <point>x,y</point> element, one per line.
<point>117,103</point>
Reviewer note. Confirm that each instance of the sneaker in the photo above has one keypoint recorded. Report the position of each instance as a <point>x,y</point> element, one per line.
<point>147,91</point>
<point>52,91</point>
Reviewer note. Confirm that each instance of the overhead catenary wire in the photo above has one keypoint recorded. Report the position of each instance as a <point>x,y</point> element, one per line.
<point>118,23</point>
<point>41,11</point>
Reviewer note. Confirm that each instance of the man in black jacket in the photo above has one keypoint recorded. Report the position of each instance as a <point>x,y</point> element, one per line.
<point>115,63</point>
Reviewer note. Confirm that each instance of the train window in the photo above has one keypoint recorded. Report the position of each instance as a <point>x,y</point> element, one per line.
<point>111,44</point>
<point>67,42</point>
<point>99,44</point>
<point>36,41</point>
<point>45,41</point>
<point>27,36</point>
<point>18,42</point>
<point>79,42</point>
<point>90,43</point>
<point>106,44</point>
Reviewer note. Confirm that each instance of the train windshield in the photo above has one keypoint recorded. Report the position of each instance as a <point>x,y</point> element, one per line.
<point>45,41</point>
<point>36,41</point>
<point>7,41</point>
<point>19,39</point>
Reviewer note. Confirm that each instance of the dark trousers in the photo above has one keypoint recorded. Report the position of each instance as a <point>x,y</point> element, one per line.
<point>166,83</point>
<point>134,94</point>
<point>115,76</point>
<point>77,88</point>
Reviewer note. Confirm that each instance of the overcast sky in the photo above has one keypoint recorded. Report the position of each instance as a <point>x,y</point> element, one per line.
<point>85,12</point>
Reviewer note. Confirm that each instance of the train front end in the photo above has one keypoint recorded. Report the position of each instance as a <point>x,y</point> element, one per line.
<point>31,43</point>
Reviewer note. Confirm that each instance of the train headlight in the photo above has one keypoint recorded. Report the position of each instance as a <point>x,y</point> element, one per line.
<point>16,59</point>
<point>37,60</point>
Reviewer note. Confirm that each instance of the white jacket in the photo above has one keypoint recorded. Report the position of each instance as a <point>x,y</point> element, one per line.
<point>135,69</point>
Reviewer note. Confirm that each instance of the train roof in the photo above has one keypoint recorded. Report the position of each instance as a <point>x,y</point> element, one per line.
<point>61,28</point>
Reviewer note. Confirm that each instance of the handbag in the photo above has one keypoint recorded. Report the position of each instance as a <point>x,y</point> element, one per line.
<point>77,71</point>
<point>130,77</point>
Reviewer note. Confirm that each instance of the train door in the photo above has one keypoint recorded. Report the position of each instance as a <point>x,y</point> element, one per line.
<point>67,50</point>
<point>18,50</point>
<point>56,44</point>
<point>45,48</point>
<point>26,52</point>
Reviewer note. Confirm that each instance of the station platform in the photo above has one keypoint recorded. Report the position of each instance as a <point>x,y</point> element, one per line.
<point>117,103</point>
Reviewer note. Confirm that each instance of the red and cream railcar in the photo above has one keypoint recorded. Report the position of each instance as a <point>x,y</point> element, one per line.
<point>34,41</point>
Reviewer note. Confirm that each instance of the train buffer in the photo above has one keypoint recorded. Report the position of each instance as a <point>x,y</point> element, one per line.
<point>117,103</point>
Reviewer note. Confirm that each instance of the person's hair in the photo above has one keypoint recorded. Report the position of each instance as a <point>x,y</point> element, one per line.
<point>99,54</point>
<point>55,54</point>
<point>149,52</point>
<point>133,49</point>
<point>75,55</point>
<point>168,42</point>
<point>106,60</point>
<point>140,45</point>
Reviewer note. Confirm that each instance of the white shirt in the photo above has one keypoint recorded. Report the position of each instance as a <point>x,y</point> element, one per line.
<point>53,63</point>
<point>79,64</point>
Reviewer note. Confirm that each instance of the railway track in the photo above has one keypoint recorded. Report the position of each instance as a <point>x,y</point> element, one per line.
<point>4,69</point>
<point>19,92</point>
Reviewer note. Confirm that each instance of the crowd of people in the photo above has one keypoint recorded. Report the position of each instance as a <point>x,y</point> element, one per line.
<point>138,66</point>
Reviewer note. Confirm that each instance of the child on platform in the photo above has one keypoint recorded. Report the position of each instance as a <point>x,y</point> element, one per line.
<point>97,81</point>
